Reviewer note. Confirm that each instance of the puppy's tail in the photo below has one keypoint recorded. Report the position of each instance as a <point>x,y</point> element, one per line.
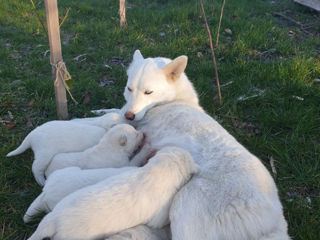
<point>24,146</point>
<point>36,207</point>
<point>46,228</point>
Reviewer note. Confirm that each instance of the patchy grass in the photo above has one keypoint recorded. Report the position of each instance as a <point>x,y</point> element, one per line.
<point>266,54</point>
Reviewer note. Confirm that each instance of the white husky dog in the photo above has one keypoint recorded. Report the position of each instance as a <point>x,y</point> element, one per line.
<point>233,197</point>
<point>115,149</point>
<point>63,136</point>
<point>141,196</point>
<point>65,181</point>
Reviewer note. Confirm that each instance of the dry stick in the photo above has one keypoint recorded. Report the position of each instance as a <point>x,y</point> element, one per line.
<point>35,10</point>
<point>122,12</point>
<point>212,51</point>
<point>65,17</point>
<point>220,20</point>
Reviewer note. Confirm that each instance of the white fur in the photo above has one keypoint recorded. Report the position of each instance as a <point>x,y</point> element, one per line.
<point>65,181</point>
<point>114,150</point>
<point>233,197</point>
<point>141,196</point>
<point>56,137</point>
<point>142,232</point>
<point>151,75</point>
<point>62,136</point>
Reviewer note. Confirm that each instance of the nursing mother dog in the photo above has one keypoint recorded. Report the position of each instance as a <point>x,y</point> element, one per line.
<point>233,197</point>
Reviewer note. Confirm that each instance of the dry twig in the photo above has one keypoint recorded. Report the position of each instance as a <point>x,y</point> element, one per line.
<point>65,17</point>
<point>211,45</point>
<point>38,16</point>
<point>220,20</point>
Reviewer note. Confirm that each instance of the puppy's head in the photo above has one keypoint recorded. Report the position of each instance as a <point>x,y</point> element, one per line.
<point>151,81</point>
<point>125,138</point>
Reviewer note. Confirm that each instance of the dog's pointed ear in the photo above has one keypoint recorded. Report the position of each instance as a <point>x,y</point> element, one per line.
<point>174,69</point>
<point>137,56</point>
<point>123,140</point>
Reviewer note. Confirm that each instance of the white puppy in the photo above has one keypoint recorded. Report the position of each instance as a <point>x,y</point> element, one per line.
<point>141,196</point>
<point>114,150</point>
<point>62,136</point>
<point>65,181</point>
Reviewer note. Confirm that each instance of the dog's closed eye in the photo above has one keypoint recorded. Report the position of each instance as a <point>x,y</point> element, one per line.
<point>147,92</point>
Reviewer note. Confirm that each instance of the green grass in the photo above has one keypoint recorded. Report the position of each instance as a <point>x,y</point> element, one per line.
<point>260,53</point>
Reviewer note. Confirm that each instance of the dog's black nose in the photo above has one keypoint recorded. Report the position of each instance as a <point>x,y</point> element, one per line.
<point>129,115</point>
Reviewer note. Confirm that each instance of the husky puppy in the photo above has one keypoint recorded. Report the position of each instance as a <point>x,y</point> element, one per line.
<point>62,136</point>
<point>65,181</point>
<point>141,196</point>
<point>115,149</point>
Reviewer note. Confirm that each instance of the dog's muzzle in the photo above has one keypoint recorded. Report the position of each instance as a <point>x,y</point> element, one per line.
<point>129,115</point>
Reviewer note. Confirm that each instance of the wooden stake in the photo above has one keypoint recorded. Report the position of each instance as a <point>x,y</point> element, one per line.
<point>56,56</point>
<point>122,12</point>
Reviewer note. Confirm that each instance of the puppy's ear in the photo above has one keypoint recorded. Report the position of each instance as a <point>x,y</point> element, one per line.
<point>123,140</point>
<point>174,69</point>
<point>137,56</point>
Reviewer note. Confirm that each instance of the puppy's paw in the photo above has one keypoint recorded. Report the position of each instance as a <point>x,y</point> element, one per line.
<point>40,179</point>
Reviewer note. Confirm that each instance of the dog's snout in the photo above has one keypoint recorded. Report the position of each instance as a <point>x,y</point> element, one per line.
<point>129,115</point>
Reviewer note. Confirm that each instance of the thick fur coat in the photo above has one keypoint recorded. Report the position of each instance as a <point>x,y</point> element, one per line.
<point>65,181</point>
<point>233,197</point>
<point>113,150</point>
<point>143,232</point>
<point>141,196</point>
<point>63,136</point>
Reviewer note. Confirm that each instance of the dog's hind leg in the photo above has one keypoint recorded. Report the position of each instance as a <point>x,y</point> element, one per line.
<point>36,207</point>
<point>188,221</point>
<point>142,232</point>
<point>203,210</point>
<point>40,164</point>
<point>279,232</point>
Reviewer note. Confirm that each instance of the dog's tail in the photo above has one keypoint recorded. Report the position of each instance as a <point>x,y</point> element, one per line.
<point>36,207</point>
<point>24,146</point>
<point>46,228</point>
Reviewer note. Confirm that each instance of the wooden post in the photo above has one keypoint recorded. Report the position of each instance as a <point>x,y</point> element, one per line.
<point>56,56</point>
<point>122,12</point>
